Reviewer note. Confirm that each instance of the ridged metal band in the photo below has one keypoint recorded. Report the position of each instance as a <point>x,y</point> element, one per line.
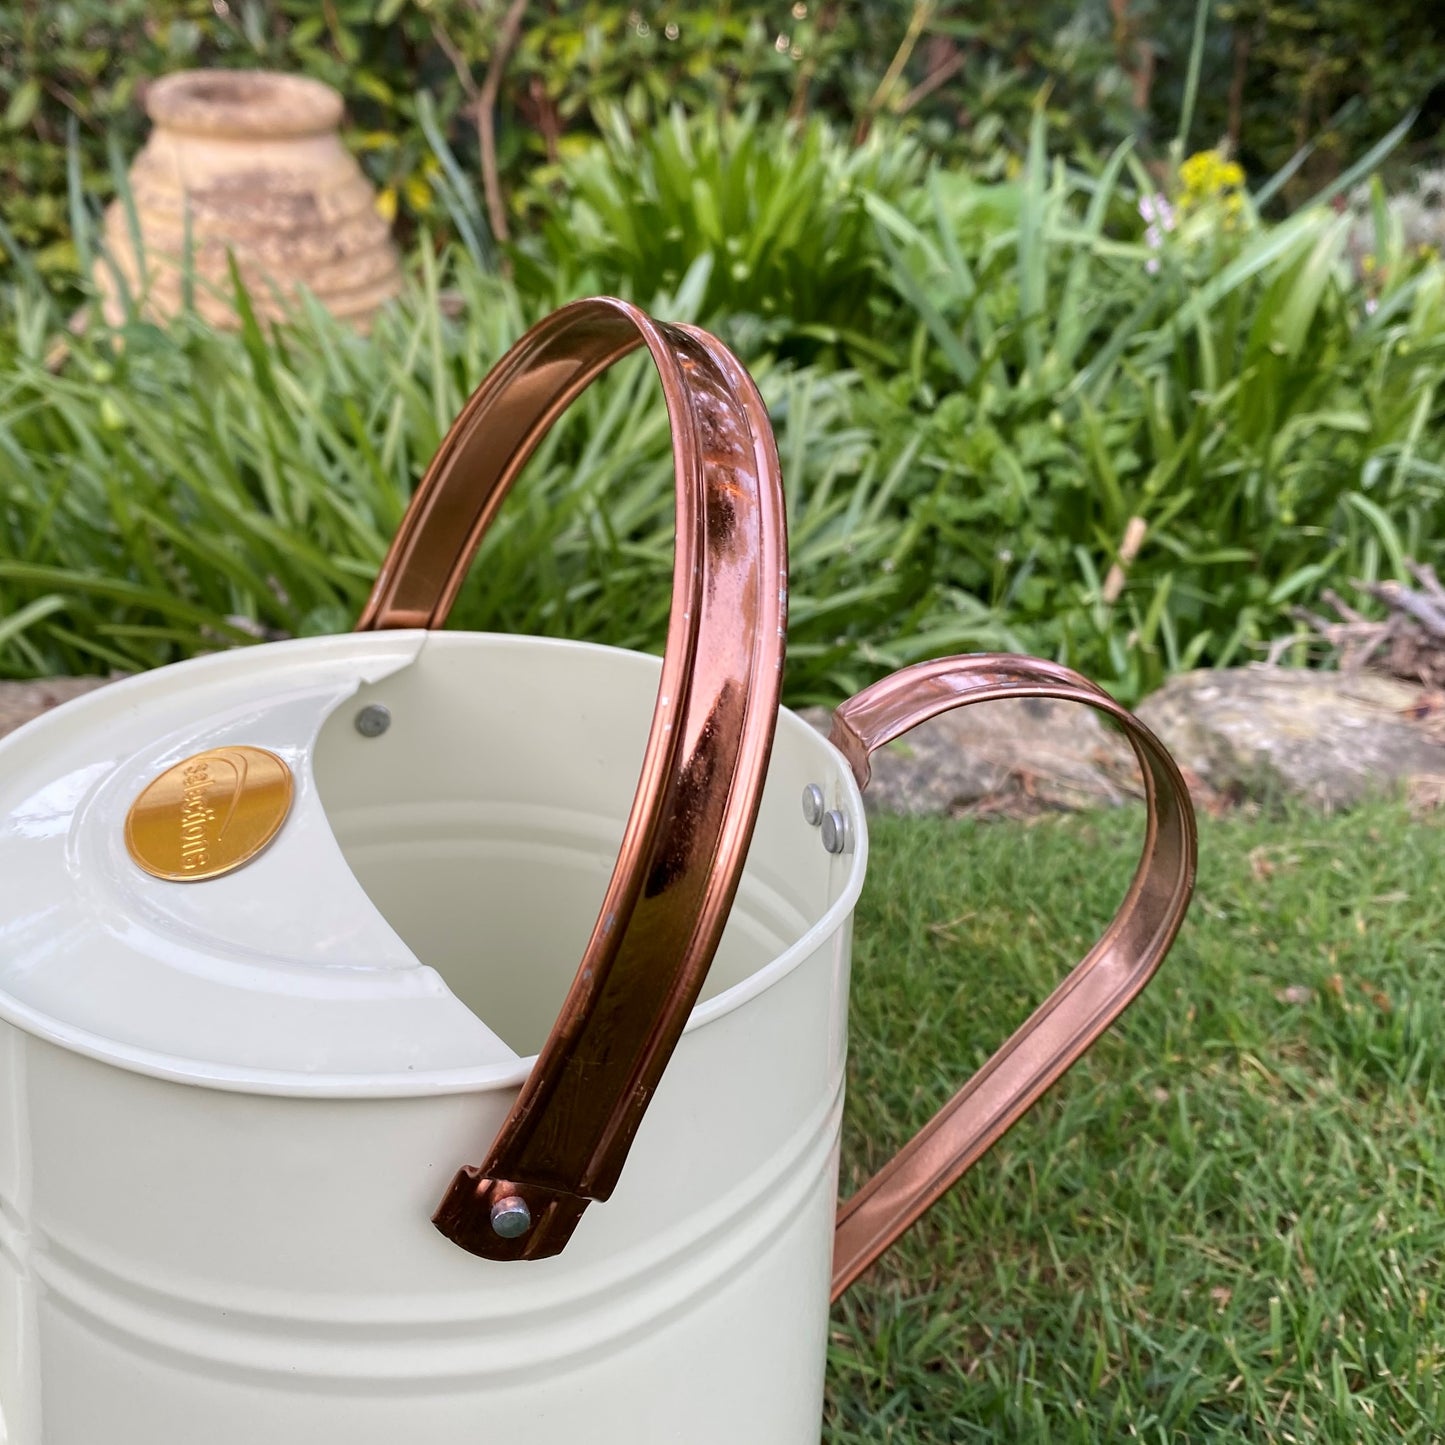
<point>687,835</point>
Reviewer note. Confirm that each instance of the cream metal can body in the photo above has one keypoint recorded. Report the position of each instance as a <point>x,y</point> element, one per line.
<point>234,1259</point>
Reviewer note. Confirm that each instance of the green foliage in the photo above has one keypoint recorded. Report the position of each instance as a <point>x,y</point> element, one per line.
<point>779,213</point>
<point>1274,425</point>
<point>981,389</point>
<point>1330,73</point>
<point>170,491</point>
<point>1225,1224</point>
<point>964,76</point>
<point>81,67</point>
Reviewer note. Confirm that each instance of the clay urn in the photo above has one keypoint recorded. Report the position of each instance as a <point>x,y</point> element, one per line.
<point>249,164</point>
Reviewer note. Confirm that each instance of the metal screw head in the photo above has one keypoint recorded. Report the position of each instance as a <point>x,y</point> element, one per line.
<point>813,804</point>
<point>836,833</point>
<point>510,1217</point>
<point>373,720</point>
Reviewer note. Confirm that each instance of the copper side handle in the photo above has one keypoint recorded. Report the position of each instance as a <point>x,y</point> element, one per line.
<point>687,835</point>
<point>1089,999</point>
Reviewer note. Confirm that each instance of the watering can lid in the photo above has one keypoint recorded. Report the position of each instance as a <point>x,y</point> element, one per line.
<point>281,976</point>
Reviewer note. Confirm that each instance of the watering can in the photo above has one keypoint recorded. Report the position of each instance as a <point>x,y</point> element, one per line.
<point>313,1127</point>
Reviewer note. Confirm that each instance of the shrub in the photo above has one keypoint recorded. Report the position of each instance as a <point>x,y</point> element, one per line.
<point>778,211</point>
<point>1270,423</point>
<point>74,74</point>
<point>172,491</point>
<point>1275,75</point>
<point>1124,426</point>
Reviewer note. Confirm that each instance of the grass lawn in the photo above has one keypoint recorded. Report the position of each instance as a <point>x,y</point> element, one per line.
<point>1229,1222</point>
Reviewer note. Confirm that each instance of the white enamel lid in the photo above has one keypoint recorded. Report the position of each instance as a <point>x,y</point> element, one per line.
<point>282,974</point>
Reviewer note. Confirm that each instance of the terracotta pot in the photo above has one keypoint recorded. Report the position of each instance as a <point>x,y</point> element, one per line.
<point>255,158</point>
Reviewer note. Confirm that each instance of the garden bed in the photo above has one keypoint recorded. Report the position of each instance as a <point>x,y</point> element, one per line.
<point>1032,413</point>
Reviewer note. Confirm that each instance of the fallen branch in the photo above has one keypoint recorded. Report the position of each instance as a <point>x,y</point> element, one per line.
<point>1409,642</point>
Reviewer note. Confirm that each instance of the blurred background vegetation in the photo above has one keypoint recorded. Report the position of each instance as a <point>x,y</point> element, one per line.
<point>963,77</point>
<point>1111,330</point>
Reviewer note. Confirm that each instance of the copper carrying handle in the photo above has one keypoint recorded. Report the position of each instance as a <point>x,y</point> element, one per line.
<point>1063,1027</point>
<point>687,835</point>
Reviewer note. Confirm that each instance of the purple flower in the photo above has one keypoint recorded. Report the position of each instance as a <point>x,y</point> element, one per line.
<point>1158,212</point>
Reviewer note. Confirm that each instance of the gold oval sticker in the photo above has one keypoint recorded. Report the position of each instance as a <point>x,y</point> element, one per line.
<point>210,814</point>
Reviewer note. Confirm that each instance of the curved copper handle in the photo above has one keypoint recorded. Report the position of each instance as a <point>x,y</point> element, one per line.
<point>687,835</point>
<point>1089,999</point>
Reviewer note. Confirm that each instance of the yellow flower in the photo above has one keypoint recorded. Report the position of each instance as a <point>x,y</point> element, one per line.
<point>1207,176</point>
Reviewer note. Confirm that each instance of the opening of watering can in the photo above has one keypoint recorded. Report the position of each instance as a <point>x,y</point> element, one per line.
<point>485,820</point>
<point>461,856</point>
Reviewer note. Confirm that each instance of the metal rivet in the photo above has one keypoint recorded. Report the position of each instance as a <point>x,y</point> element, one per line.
<point>835,831</point>
<point>813,804</point>
<point>373,720</point>
<point>510,1217</point>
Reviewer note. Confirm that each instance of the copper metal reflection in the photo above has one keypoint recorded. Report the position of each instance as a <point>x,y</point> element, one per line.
<point>1089,999</point>
<point>687,835</point>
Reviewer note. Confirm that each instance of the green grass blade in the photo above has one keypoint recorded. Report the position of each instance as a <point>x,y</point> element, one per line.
<point>1191,77</point>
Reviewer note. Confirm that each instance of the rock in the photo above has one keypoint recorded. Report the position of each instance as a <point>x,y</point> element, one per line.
<point>1270,733</point>
<point>1012,756</point>
<point>21,701</point>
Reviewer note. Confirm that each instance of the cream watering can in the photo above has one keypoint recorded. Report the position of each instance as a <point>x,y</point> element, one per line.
<point>291,1008</point>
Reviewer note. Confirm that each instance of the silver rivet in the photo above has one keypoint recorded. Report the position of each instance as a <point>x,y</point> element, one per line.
<point>835,831</point>
<point>813,804</point>
<point>373,720</point>
<point>510,1217</point>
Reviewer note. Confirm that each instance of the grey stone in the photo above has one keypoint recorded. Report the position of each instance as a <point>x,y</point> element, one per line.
<point>21,701</point>
<point>1271,733</point>
<point>1020,756</point>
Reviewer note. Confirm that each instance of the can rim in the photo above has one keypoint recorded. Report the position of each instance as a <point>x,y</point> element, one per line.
<point>235,1078</point>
